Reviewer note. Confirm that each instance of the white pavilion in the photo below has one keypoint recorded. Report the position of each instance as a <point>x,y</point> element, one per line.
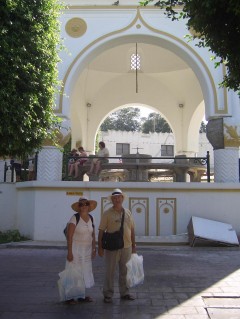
<point>126,55</point>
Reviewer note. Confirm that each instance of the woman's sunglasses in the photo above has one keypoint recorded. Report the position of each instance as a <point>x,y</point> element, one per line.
<point>83,204</point>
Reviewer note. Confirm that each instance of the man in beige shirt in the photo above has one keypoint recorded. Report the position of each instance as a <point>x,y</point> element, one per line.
<point>111,222</point>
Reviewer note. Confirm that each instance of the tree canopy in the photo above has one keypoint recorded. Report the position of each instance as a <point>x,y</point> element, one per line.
<point>29,42</point>
<point>155,123</point>
<point>127,119</point>
<point>203,127</point>
<point>216,24</point>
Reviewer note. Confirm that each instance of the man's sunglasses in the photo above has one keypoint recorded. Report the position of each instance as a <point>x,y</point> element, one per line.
<point>83,204</point>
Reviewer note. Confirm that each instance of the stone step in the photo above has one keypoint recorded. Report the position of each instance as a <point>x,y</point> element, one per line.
<point>181,239</point>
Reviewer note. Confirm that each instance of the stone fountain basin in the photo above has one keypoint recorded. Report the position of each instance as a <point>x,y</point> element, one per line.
<point>136,158</point>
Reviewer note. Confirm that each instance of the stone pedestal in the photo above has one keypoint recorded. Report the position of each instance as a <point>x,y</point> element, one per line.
<point>180,173</point>
<point>137,173</point>
<point>49,167</point>
<point>140,175</point>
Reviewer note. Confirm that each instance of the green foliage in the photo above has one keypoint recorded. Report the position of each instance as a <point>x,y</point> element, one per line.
<point>11,236</point>
<point>127,119</point>
<point>97,142</point>
<point>67,147</point>
<point>66,152</point>
<point>216,24</point>
<point>155,123</point>
<point>203,128</point>
<point>30,42</point>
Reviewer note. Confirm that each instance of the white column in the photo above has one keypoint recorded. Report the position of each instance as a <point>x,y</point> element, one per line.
<point>2,165</point>
<point>226,165</point>
<point>49,165</point>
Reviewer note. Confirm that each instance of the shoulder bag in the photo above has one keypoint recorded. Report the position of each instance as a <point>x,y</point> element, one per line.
<point>114,241</point>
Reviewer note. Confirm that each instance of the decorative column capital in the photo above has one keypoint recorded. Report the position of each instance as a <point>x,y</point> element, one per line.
<point>215,133</point>
<point>62,135</point>
<point>231,130</point>
<point>223,133</point>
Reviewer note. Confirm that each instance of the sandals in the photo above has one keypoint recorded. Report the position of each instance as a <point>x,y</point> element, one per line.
<point>71,302</point>
<point>107,300</point>
<point>127,297</point>
<point>86,299</point>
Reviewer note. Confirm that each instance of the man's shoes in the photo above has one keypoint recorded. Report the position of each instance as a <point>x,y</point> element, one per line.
<point>71,302</point>
<point>107,300</point>
<point>127,297</point>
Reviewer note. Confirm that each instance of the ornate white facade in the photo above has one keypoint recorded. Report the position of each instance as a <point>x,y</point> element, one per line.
<point>176,78</point>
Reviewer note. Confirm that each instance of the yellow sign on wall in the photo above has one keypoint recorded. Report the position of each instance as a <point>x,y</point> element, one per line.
<point>74,193</point>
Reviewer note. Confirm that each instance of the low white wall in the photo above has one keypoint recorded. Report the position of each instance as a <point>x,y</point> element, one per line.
<point>8,206</point>
<point>159,209</point>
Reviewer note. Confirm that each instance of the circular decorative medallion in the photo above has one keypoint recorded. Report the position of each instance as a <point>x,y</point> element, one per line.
<point>166,210</point>
<point>138,26</point>
<point>76,27</point>
<point>138,210</point>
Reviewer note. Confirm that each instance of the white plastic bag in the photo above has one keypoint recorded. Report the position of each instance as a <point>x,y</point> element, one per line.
<point>71,283</point>
<point>135,273</point>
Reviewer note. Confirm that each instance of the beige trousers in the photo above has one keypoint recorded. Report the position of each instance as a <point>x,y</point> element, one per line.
<point>112,259</point>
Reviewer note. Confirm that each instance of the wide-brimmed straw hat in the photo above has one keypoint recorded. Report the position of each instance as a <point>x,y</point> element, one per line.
<point>92,206</point>
<point>117,192</point>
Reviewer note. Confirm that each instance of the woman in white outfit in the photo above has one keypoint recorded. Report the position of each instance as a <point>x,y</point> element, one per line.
<point>81,243</point>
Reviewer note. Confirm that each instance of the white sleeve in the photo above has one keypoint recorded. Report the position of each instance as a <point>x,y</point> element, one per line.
<point>106,152</point>
<point>73,220</point>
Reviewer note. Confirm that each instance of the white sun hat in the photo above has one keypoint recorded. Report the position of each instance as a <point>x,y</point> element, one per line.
<point>116,192</point>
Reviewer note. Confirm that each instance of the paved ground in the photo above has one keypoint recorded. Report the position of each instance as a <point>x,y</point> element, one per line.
<point>180,283</point>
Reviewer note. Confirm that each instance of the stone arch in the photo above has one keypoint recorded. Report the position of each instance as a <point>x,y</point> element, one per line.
<point>87,55</point>
<point>117,108</point>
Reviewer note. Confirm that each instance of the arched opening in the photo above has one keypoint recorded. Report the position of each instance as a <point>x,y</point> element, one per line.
<point>168,79</point>
<point>126,131</point>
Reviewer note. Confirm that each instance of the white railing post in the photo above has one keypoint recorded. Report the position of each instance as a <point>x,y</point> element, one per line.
<point>2,166</point>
